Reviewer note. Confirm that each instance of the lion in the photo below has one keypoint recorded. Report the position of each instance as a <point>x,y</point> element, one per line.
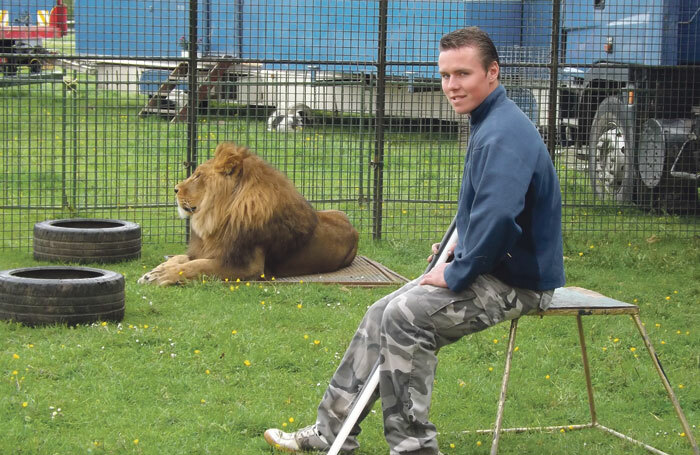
<point>248,221</point>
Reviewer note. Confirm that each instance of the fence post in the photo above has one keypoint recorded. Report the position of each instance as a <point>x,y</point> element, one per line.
<point>553,80</point>
<point>192,100</point>
<point>378,159</point>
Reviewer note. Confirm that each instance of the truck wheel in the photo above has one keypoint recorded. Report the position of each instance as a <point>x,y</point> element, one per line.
<point>61,295</point>
<point>84,240</point>
<point>610,152</point>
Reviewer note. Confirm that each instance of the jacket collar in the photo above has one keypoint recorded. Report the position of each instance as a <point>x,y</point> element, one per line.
<point>478,114</point>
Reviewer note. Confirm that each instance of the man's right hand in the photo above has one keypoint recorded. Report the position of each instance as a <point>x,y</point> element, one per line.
<point>436,249</point>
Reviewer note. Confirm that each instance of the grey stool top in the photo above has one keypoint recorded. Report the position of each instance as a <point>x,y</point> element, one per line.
<point>574,300</point>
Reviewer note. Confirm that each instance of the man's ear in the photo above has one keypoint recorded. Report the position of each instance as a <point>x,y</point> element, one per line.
<point>494,71</point>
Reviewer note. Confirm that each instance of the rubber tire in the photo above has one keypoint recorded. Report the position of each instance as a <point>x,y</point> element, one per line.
<point>87,240</point>
<point>61,295</point>
<point>612,113</point>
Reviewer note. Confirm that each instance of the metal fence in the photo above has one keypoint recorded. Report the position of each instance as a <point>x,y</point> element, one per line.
<point>106,105</point>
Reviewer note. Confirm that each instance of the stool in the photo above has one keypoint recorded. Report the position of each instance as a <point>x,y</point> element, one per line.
<point>572,301</point>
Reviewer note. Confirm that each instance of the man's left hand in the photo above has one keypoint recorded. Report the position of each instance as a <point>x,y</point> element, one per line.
<point>436,276</point>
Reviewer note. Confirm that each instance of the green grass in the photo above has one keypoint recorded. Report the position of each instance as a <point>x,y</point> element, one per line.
<point>173,374</point>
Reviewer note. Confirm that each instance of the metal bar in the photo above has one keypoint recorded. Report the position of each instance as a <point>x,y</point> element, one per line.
<point>504,387</point>
<point>554,77</point>
<point>633,441</point>
<point>667,385</point>
<point>525,429</point>
<point>192,100</point>
<point>586,370</point>
<point>378,159</point>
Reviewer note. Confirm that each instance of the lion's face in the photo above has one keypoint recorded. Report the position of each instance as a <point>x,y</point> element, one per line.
<point>206,195</point>
<point>191,193</point>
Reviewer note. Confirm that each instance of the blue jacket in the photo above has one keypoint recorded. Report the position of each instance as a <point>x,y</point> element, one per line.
<point>509,212</point>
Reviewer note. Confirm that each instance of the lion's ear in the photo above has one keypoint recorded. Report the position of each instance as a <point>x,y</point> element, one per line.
<point>228,156</point>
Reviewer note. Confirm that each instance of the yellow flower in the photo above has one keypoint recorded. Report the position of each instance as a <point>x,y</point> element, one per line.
<point>657,325</point>
<point>562,431</point>
<point>306,337</point>
<point>262,302</point>
<point>633,349</point>
<point>15,373</point>
<point>104,323</point>
<point>490,368</point>
<point>207,372</point>
<point>546,377</point>
<point>15,356</point>
<point>246,363</point>
<point>680,386</point>
<point>233,332</point>
<point>668,297</point>
<point>495,340</point>
<point>580,253</point>
<point>682,435</point>
<point>136,442</point>
<point>452,446</point>
<point>317,342</point>
<point>616,340</point>
<point>299,305</point>
<point>197,351</point>
<point>291,420</point>
<point>478,443</point>
<point>25,404</point>
<point>203,401</point>
<point>262,276</point>
<point>231,287</point>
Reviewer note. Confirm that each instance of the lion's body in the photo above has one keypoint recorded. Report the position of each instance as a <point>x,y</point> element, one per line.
<point>248,219</point>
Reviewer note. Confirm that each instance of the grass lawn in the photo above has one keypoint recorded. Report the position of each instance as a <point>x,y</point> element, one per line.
<point>206,368</point>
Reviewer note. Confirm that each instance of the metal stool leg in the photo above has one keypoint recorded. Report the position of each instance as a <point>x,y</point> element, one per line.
<point>504,387</point>
<point>667,385</point>
<point>586,370</point>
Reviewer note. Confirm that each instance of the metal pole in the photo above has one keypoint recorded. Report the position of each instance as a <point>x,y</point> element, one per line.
<point>586,370</point>
<point>553,79</point>
<point>378,159</point>
<point>192,100</point>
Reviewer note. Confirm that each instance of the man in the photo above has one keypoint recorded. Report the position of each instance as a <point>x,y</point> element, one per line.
<point>507,262</point>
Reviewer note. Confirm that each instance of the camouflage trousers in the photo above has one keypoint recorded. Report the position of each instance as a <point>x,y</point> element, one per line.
<point>403,332</point>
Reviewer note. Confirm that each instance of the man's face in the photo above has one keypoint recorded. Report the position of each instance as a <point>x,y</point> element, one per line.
<point>464,80</point>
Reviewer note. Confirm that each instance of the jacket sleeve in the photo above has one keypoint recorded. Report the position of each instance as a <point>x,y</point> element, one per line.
<point>499,176</point>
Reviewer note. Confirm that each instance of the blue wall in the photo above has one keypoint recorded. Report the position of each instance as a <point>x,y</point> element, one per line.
<point>342,32</point>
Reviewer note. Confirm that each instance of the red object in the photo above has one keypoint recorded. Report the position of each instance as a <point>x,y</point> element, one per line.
<point>58,26</point>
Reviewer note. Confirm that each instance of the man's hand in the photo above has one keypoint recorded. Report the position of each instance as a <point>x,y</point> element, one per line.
<point>436,276</point>
<point>436,249</point>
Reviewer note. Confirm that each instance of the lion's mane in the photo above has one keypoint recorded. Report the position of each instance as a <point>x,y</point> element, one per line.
<point>242,202</point>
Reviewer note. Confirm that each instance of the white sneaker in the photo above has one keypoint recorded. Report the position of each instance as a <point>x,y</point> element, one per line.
<point>305,440</point>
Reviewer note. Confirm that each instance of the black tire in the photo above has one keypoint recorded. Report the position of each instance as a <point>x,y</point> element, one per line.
<point>610,151</point>
<point>86,240</point>
<point>61,295</point>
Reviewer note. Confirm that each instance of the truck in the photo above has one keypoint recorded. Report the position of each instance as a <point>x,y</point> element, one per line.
<point>23,27</point>
<point>631,100</point>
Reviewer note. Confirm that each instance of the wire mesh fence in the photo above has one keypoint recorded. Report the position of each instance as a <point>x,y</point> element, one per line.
<point>106,105</point>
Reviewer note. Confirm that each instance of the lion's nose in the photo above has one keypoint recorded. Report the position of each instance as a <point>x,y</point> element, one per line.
<point>176,190</point>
